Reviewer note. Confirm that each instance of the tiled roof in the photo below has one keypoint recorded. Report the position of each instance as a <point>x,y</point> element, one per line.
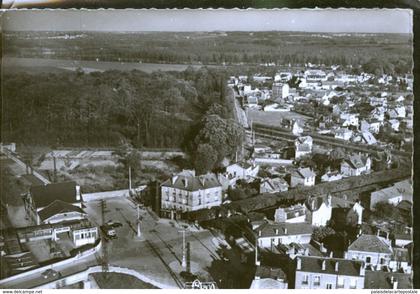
<point>57,207</point>
<point>314,203</point>
<point>313,264</point>
<point>193,183</point>
<point>370,243</point>
<point>304,173</point>
<point>382,280</point>
<point>264,272</point>
<point>356,161</point>
<point>46,194</point>
<point>283,229</point>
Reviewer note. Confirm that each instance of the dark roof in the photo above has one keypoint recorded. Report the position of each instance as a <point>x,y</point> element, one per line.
<point>405,205</point>
<point>265,272</point>
<point>57,207</point>
<point>402,254</point>
<point>370,243</point>
<point>304,173</point>
<point>314,203</point>
<point>356,161</point>
<point>382,280</point>
<point>193,183</point>
<point>283,229</point>
<point>313,264</point>
<point>44,195</point>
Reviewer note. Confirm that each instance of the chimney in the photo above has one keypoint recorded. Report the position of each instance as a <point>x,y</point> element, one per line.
<point>395,284</point>
<point>322,248</point>
<point>202,180</point>
<point>336,266</point>
<point>331,254</point>
<point>377,232</point>
<point>259,233</point>
<point>360,233</point>
<point>362,269</point>
<point>323,265</point>
<point>174,178</point>
<point>329,199</point>
<point>313,204</point>
<point>298,263</point>
<point>277,231</point>
<point>387,235</point>
<point>78,196</point>
<point>185,182</point>
<point>285,231</point>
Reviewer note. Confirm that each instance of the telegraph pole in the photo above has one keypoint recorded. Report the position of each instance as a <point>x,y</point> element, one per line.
<point>129,180</point>
<point>184,255</point>
<point>104,242</point>
<point>138,221</point>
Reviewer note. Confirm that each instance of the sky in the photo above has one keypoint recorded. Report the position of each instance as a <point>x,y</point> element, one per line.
<point>309,20</point>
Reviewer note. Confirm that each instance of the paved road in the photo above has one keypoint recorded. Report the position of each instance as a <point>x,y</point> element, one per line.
<point>36,279</point>
<point>158,253</point>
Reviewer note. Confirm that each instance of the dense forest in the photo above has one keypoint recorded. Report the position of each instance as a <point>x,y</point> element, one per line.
<point>111,108</point>
<point>216,48</point>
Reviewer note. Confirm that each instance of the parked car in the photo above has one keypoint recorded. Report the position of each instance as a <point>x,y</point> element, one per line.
<point>114,224</point>
<point>109,231</point>
<point>49,273</point>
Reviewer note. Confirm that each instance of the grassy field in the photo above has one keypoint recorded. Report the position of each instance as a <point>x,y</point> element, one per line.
<point>208,48</point>
<point>274,118</point>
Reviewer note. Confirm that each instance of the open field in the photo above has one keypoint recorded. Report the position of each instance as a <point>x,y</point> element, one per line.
<point>207,47</point>
<point>274,118</point>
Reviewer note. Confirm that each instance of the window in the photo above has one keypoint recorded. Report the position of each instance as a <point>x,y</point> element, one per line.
<point>199,200</point>
<point>353,283</point>
<point>329,286</point>
<point>305,280</point>
<point>340,282</point>
<point>368,259</point>
<point>382,260</point>
<point>317,280</point>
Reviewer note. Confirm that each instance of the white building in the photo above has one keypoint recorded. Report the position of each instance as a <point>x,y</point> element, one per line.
<point>303,146</point>
<point>318,210</point>
<point>355,165</point>
<point>183,193</point>
<point>302,176</point>
<point>343,134</point>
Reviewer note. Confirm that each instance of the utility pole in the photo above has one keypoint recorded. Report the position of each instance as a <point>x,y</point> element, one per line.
<point>104,242</point>
<point>184,255</point>
<point>129,180</point>
<point>138,221</point>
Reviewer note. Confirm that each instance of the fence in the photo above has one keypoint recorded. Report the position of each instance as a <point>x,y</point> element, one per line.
<point>87,197</point>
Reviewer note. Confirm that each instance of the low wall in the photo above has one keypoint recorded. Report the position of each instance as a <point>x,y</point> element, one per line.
<point>57,264</point>
<point>87,197</point>
<point>273,161</point>
<point>84,276</point>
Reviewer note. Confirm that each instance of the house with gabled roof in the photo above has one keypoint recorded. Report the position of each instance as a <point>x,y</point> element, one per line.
<point>303,146</point>
<point>395,194</point>
<point>365,137</point>
<point>355,165</point>
<point>302,176</point>
<point>56,202</point>
<point>292,214</point>
<point>318,210</point>
<point>183,193</point>
<point>273,185</point>
<point>314,272</point>
<point>267,277</point>
<point>271,234</point>
<point>374,250</point>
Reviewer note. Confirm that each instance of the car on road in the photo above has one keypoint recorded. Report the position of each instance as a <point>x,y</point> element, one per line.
<point>49,273</point>
<point>109,231</point>
<point>114,224</point>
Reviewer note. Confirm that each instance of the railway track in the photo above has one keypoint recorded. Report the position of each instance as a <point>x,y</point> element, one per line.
<point>277,134</point>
